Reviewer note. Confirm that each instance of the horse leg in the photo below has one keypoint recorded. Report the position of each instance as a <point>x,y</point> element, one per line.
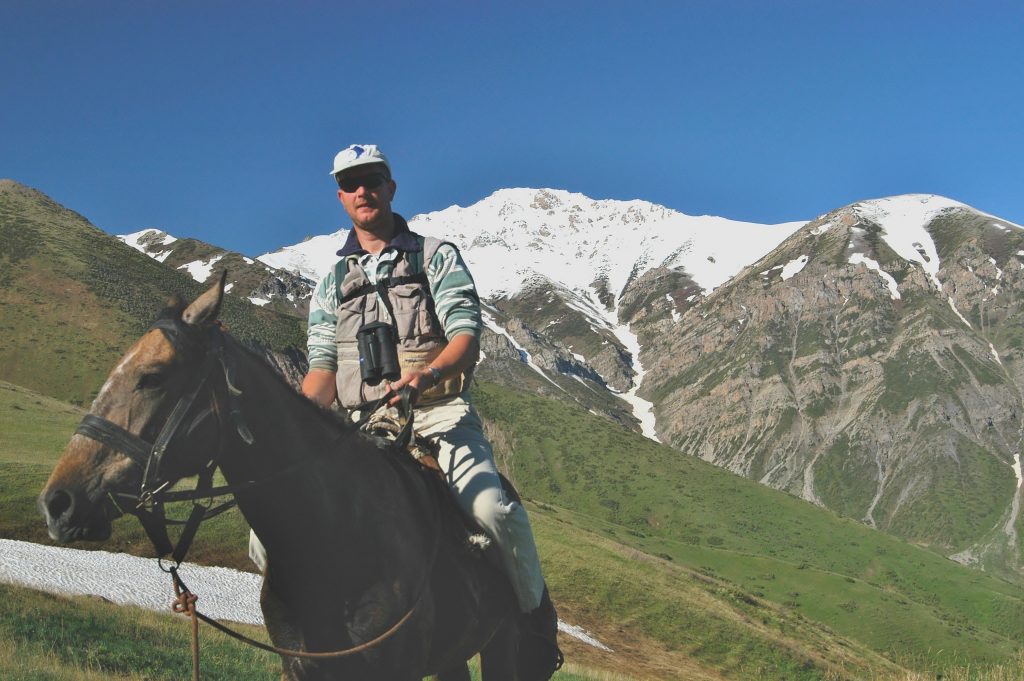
<point>458,672</point>
<point>499,658</point>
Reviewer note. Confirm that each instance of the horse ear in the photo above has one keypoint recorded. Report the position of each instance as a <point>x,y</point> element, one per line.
<point>205,308</point>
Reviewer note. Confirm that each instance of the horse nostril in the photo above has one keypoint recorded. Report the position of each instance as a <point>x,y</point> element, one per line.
<point>59,503</point>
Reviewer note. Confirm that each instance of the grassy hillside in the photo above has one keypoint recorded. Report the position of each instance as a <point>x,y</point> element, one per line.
<point>905,602</point>
<point>670,606</point>
<point>644,607</point>
<point>72,298</point>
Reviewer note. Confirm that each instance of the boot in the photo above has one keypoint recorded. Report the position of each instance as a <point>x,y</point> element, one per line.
<point>539,656</point>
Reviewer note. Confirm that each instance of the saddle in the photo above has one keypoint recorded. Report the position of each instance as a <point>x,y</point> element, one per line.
<point>424,453</point>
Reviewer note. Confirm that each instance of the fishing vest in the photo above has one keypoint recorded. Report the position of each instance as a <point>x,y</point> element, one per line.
<point>420,333</point>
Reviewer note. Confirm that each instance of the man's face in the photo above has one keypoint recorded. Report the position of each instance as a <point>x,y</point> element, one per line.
<point>366,193</point>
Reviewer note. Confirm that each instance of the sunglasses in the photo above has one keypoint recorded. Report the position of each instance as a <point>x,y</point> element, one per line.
<point>370,181</point>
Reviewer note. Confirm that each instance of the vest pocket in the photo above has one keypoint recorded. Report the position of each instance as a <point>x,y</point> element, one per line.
<point>410,304</point>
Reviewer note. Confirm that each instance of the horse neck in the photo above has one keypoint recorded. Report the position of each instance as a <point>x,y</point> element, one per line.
<point>311,471</point>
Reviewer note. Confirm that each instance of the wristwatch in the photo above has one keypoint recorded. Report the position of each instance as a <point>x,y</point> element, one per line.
<point>435,376</point>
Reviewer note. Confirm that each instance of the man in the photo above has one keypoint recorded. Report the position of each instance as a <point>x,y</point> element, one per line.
<point>437,322</point>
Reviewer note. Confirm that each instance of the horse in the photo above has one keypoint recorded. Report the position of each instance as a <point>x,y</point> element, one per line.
<point>358,541</point>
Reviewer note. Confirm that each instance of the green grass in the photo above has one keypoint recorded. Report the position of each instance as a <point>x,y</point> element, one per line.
<point>689,562</point>
<point>72,299</point>
<point>898,599</point>
<point>45,637</point>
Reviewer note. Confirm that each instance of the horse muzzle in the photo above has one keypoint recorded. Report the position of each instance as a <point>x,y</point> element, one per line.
<point>71,517</point>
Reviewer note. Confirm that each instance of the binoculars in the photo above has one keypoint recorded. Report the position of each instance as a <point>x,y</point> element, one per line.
<point>378,353</point>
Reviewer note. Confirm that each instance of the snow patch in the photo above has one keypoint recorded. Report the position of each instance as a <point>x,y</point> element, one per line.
<point>995,354</point>
<point>953,306</point>
<point>793,267</point>
<point>642,409</point>
<point>199,269</point>
<point>258,301</point>
<point>890,282</point>
<point>672,308</point>
<point>224,594</point>
<point>229,287</point>
<point>523,354</point>
<point>903,220</point>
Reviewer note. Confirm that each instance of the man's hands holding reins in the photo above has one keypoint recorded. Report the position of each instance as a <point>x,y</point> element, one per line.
<point>459,355</point>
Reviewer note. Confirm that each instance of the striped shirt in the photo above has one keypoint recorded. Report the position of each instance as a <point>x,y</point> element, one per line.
<point>451,287</point>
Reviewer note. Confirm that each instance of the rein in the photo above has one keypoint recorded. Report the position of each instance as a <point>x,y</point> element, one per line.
<point>154,491</point>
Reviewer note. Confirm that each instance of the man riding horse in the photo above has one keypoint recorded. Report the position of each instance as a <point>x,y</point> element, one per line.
<point>416,291</point>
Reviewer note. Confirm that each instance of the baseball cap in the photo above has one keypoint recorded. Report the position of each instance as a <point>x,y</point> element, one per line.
<point>357,155</point>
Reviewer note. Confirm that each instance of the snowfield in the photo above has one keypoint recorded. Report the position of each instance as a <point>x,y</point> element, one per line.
<point>224,594</point>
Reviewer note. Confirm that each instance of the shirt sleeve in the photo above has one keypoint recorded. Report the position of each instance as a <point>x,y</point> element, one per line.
<point>320,342</point>
<point>455,298</point>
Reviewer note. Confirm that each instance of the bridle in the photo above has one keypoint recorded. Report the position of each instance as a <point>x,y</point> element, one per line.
<point>148,504</point>
<point>154,492</point>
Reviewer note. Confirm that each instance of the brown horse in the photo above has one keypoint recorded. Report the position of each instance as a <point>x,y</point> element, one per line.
<point>354,538</point>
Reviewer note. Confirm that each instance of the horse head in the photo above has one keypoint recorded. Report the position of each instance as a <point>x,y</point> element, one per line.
<point>123,447</point>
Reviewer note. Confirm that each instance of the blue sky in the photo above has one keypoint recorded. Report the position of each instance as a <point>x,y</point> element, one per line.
<point>219,120</point>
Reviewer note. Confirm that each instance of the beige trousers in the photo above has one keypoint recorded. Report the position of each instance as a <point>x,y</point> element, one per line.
<point>467,459</point>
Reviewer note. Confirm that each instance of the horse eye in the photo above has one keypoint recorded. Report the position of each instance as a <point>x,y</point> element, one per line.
<point>150,381</point>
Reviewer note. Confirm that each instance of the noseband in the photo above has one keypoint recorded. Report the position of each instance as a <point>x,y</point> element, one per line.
<point>148,504</point>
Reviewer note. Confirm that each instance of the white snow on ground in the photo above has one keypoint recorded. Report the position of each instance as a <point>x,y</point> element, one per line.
<point>135,239</point>
<point>129,580</point>
<point>510,236</point>
<point>576,240</point>
<point>224,594</point>
<point>793,267</point>
<point>312,258</point>
<point>200,270</point>
<point>890,282</point>
<point>903,220</point>
<point>995,354</point>
<point>642,409</point>
<point>228,287</point>
<point>523,354</point>
<point>582,635</point>
<point>672,307</point>
<point>953,305</point>
<point>258,301</point>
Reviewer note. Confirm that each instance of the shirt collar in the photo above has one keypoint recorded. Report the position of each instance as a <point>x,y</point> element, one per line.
<point>403,239</point>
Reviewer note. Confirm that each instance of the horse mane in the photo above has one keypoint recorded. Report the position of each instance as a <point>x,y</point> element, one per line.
<point>335,419</point>
<point>172,312</point>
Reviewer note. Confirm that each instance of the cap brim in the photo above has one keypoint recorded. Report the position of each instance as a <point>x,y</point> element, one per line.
<point>361,162</point>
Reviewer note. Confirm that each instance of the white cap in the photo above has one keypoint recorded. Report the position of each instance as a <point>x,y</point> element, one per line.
<point>357,155</point>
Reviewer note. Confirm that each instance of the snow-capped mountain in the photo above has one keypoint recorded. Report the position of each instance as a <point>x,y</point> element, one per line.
<point>571,256</point>
<point>865,360</point>
<point>586,246</point>
<point>259,283</point>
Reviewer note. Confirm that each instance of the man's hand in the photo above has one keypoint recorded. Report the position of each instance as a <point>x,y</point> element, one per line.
<point>458,356</point>
<point>417,380</point>
<point>319,385</point>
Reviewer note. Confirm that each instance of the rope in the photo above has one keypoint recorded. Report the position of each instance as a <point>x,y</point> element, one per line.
<point>186,604</point>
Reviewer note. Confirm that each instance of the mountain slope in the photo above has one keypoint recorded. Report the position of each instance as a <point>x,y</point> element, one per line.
<point>869,364</point>
<point>73,297</point>
<point>867,361</point>
<point>261,285</point>
<point>552,265</point>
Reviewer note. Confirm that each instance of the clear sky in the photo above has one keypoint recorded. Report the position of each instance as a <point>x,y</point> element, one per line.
<point>219,119</point>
